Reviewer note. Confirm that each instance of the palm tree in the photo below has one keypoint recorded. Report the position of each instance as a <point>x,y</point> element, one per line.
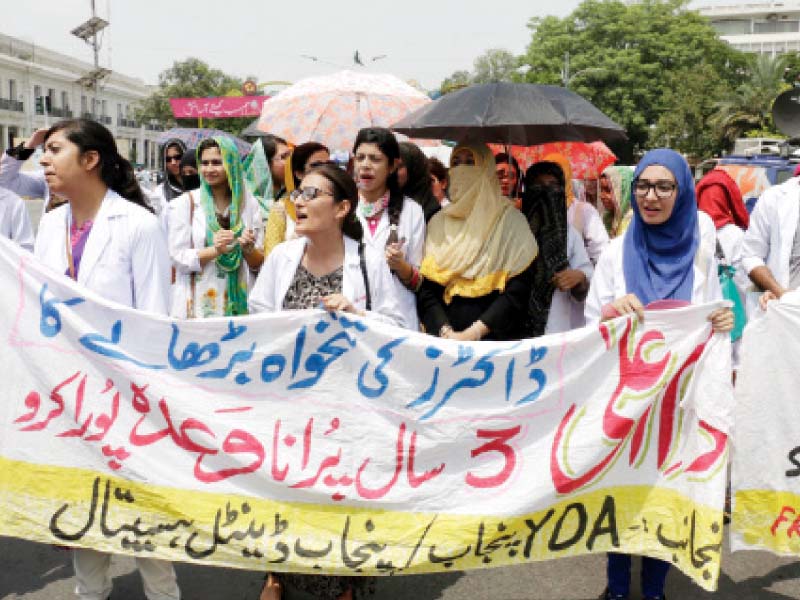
<point>750,105</point>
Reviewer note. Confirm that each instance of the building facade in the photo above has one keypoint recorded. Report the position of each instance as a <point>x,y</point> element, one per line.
<point>28,72</point>
<point>765,28</point>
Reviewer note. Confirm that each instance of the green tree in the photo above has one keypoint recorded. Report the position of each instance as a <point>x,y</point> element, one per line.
<point>493,65</point>
<point>689,102</point>
<point>624,57</point>
<point>456,81</point>
<point>191,78</point>
<point>749,107</point>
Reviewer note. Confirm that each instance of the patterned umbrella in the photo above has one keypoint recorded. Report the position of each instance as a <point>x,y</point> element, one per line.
<point>332,108</point>
<point>192,137</point>
<point>587,160</point>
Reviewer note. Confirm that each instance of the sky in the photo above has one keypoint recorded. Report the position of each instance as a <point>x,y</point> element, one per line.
<point>425,40</point>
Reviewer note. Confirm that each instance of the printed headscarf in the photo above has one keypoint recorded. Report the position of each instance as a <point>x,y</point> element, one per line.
<point>658,260</point>
<point>258,177</point>
<point>230,262</point>
<point>616,221</point>
<point>479,241</point>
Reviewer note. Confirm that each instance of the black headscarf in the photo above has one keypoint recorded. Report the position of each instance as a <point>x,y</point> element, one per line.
<point>418,184</point>
<point>190,182</point>
<point>172,187</point>
<point>546,210</point>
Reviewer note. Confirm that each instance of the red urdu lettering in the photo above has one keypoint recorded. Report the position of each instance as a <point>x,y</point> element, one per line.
<point>499,439</point>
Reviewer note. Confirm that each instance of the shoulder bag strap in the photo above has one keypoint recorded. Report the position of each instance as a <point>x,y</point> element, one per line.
<point>362,258</point>
<point>192,275</point>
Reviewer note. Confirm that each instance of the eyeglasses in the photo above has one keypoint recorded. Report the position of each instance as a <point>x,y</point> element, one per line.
<point>662,189</point>
<point>173,158</point>
<point>308,193</point>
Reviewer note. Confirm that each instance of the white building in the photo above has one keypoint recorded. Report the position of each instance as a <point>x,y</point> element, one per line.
<point>28,71</point>
<point>764,27</point>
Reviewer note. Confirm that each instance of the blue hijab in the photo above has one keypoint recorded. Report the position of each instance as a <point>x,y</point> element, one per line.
<point>658,260</point>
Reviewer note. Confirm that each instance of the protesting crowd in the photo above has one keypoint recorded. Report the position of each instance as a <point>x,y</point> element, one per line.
<point>482,248</point>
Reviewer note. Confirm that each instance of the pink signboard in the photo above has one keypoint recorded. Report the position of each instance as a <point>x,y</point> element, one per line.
<point>214,108</point>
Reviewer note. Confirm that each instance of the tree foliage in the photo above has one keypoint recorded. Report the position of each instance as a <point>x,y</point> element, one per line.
<point>749,106</point>
<point>630,59</point>
<point>191,78</point>
<point>493,65</point>
<point>496,64</point>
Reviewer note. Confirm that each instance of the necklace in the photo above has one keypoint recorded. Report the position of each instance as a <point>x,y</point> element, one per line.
<point>372,210</point>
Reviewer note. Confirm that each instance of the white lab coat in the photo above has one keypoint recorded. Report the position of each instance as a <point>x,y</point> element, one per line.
<point>279,269</point>
<point>125,259</point>
<point>608,282</point>
<point>411,226</point>
<point>585,218</point>
<point>186,239</point>
<point>566,313</point>
<point>15,224</point>
<point>769,238</point>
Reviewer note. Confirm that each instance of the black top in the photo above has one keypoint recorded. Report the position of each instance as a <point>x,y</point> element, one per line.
<point>502,312</point>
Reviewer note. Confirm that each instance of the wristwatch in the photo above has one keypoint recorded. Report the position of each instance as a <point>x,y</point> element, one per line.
<point>20,152</point>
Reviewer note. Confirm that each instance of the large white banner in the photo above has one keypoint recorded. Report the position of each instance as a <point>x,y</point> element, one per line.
<point>316,442</point>
<point>766,465</point>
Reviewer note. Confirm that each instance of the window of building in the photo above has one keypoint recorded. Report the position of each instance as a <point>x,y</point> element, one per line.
<point>776,26</point>
<point>84,105</point>
<point>104,104</point>
<point>37,91</point>
<point>65,100</point>
<point>12,89</point>
<point>731,26</point>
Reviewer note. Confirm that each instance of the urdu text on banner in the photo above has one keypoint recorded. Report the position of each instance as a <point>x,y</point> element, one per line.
<point>316,442</point>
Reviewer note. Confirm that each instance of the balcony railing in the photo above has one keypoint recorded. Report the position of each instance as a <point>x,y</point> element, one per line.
<point>63,113</point>
<point>6,104</point>
<point>127,123</point>
<point>105,119</point>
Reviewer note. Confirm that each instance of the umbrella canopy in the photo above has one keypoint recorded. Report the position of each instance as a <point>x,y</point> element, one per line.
<point>252,130</point>
<point>587,160</point>
<point>511,113</point>
<point>332,108</point>
<point>192,137</point>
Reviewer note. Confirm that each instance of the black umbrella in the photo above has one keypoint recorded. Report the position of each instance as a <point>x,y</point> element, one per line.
<point>519,114</point>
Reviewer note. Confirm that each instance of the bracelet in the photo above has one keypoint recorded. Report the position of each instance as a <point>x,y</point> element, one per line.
<point>444,330</point>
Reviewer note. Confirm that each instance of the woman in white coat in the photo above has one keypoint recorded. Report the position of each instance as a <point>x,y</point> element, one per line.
<point>393,224</point>
<point>215,237</point>
<point>667,253</point>
<point>106,239</point>
<point>326,267</point>
<point>15,224</point>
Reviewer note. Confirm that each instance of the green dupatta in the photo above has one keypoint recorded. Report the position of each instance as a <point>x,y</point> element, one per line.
<point>230,262</point>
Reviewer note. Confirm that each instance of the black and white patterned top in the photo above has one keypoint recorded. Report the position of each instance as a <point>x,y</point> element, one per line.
<point>306,290</point>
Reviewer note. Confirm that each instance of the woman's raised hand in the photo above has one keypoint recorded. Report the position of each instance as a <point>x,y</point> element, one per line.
<point>223,238</point>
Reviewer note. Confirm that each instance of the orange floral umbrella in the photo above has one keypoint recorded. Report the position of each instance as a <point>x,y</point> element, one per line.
<point>587,160</point>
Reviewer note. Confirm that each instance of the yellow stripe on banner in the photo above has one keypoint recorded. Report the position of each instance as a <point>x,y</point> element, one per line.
<point>81,508</point>
<point>768,519</point>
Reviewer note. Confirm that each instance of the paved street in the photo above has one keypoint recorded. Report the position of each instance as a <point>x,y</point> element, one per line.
<point>39,572</point>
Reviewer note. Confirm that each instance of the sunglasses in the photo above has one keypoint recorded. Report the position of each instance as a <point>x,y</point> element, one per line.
<point>308,193</point>
<point>173,158</point>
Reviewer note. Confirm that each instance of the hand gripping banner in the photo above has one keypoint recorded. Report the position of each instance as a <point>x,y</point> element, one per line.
<point>315,442</point>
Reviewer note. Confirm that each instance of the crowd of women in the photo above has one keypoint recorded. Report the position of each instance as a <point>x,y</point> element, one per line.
<point>476,250</point>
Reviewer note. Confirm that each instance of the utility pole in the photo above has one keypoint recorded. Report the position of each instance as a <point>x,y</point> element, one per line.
<point>565,71</point>
<point>88,33</point>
